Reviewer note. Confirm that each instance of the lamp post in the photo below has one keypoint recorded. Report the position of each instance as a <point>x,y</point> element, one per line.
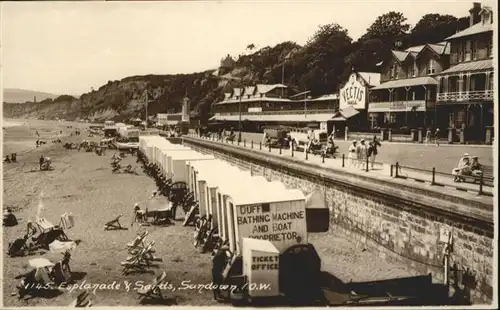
<point>239,116</point>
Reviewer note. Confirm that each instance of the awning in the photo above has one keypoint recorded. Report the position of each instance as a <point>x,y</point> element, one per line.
<point>480,65</point>
<point>345,114</point>
<point>397,106</point>
<point>349,112</point>
<point>423,80</point>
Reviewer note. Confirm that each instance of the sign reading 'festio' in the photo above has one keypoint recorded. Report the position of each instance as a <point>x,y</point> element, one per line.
<point>353,94</point>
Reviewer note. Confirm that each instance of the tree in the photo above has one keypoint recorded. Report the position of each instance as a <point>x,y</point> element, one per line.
<point>324,55</point>
<point>433,28</point>
<point>250,47</point>
<point>389,25</point>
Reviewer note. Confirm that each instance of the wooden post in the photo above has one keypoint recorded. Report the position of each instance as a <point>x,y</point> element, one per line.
<point>392,168</point>
<point>343,160</point>
<point>260,145</point>
<point>306,155</point>
<point>269,147</point>
<point>397,169</point>
<point>433,176</point>
<point>323,158</point>
<point>292,149</point>
<point>245,143</point>
<point>252,144</point>
<point>367,163</point>
<point>481,184</point>
<point>280,149</point>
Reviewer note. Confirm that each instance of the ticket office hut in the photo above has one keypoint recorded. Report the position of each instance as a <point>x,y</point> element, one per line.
<point>273,216</point>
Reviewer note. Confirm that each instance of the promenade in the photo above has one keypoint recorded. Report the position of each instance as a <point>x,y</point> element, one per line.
<point>415,176</point>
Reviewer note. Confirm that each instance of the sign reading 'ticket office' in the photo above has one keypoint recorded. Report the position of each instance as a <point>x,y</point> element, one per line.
<point>353,94</point>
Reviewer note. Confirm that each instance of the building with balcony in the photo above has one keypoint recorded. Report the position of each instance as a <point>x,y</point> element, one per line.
<point>406,96</point>
<point>466,93</point>
<point>271,105</point>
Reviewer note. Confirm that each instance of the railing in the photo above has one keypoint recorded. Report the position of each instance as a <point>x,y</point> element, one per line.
<point>366,165</point>
<point>432,177</point>
<point>463,96</point>
<point>280,112</point>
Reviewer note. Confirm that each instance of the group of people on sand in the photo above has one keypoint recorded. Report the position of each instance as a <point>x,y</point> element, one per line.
<point>12,158</point>
<point>467,166</point>
<point>362,154</point>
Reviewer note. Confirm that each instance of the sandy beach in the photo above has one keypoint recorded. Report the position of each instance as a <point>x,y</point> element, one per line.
<point>82,183</point>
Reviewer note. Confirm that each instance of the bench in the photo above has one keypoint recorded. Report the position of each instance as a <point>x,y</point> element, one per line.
<point>488,175</point>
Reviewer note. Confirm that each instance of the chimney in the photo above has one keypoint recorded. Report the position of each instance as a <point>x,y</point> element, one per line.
<point>474,17</point>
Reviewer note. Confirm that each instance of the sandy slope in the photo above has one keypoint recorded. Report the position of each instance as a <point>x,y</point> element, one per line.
<point>82,183</point>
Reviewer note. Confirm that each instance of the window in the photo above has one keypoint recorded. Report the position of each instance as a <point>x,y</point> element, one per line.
<point>391,71</point>
<point>430,67</point>
<point>492,82</point>
<point>468,48</point>
<point>475,48</point>
<point>490,48</point>
<point>415,69</point>
<point>395,70</point>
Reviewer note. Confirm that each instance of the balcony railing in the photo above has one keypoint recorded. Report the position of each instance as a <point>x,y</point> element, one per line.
<point>280,112</point>
<point>464,96</point>
<point>398,106</point>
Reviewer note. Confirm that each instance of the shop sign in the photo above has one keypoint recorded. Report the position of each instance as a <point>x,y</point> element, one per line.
<point>353,94</point>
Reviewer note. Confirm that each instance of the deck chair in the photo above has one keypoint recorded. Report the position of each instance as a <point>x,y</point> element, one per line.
<point>153,290</point>
<point>137,243</point>
<point>83,300</point>
<point>114,224</point>
<point>135,262</point>
<point>148,254</point>
<point>44,225</point>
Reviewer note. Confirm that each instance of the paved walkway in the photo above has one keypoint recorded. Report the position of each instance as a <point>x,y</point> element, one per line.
<point>383,171</point>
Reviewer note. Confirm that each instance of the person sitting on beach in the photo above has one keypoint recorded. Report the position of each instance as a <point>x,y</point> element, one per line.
<point>7,159</point>
<point>41,161</point>
<point>9,219</point>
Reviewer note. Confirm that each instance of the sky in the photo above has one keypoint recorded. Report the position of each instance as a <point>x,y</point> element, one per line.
<point>69,47</point>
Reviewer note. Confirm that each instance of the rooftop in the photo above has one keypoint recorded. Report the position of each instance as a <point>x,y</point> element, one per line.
<point>480,65</point>
<point>473,30</point>
<point>422,80</point>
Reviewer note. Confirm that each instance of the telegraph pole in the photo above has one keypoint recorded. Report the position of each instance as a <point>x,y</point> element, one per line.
<point>147,102</point>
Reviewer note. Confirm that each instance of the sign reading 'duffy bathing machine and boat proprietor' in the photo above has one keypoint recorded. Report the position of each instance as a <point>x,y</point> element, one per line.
<point>353,94</point>
<point>283,224</point>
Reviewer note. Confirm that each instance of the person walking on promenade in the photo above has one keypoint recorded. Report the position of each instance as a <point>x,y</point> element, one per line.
<point>362,154</point>
<point>375,144</point>
<point>436,136</point>
<point>352,154</point>
<point>428,134</point>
